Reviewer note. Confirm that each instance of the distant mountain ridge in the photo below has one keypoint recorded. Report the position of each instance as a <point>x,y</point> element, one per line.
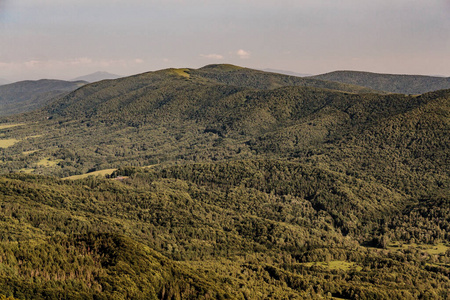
<point>25,96</point>
<point>97,76</point>
<point>284,72</point>
<point>404,84</point>
<point>245,77</point>
<point>3,81</point>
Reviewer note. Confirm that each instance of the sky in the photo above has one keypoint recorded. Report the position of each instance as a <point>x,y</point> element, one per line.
<point>64,39</point>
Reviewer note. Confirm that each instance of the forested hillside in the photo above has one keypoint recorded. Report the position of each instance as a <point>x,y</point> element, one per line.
<point>239,229</point>
<point>227,183</point>
<point>25,96</point>
<point>404,84</point>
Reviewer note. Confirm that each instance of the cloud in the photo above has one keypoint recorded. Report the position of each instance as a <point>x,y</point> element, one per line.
<point>212,56</point>
<point>243,54</point>
<point>138,61</point>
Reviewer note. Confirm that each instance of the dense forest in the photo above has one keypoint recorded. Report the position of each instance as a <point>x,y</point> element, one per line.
<point>226,183</point>
<point>404,84</point>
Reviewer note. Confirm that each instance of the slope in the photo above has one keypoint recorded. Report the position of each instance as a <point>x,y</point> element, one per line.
<point>243,229</point>
<point>239,76</point>
<point>25,96</point>
<point>172,116</point>
<point>404,84</point>
<point>162,86</point>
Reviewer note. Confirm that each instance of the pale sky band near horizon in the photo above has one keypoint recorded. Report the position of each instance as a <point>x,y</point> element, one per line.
<point>66,39</point>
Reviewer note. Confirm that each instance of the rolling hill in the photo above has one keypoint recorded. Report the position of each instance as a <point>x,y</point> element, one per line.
<point>404,84</point>
<point>239,76</point>
<point>25,96</point>
<point>226,182</point>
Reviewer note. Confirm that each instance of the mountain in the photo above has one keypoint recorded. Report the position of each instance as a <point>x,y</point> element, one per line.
<point>290,73</point>
<point>238,76</point>
<point>404,84</point>
<point>226,182</point>
<point>24,96</point>
<point>97,76</point>
<point>185,115</point>
<point>3,81</point>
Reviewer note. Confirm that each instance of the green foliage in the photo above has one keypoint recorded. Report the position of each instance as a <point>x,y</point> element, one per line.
<point>251,224</point>
<point>100,266</point>
<point>238,76</point>
<point>230,183</point>
<point>404,84</point>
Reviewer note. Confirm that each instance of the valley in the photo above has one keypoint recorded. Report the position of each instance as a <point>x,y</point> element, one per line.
<point>225,182</point>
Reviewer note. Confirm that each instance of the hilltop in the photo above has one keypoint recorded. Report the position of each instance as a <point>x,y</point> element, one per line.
<point>239,76</point>
<point>404,84</point>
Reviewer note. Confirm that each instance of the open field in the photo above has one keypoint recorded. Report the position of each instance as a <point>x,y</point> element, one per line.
<point>34,136</point>
<point>8,143</point>
<point>46,162</point>
<point>181,72</point>
<point>429,249</point>
<point>29,152</point>
<point>334,265</point>
<point>6,126</point>
<point>95,173</point>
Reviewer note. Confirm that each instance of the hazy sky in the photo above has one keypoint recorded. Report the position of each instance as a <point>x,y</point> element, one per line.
<point>68,38</point>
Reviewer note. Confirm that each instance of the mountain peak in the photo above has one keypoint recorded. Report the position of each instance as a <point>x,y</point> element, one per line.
<point>222,67</point>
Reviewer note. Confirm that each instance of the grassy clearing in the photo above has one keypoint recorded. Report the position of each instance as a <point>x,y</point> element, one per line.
<point>8,143</point>
<point>429,249</point>
<point>26,170</point>
<point>334,265</point>
<point>6,126</point>
<point>438,249</point>
<point>46,162</point>
<point>34,136</point>
<point>95,173</point>
<point>182,72</point>
<point>29,152</point>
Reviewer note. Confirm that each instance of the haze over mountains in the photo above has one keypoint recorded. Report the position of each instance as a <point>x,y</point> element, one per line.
<point>24,96</point>
<point>97,76</point>
<point>405,84</point>
<point>228,183</point>
<point>290,73</point>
